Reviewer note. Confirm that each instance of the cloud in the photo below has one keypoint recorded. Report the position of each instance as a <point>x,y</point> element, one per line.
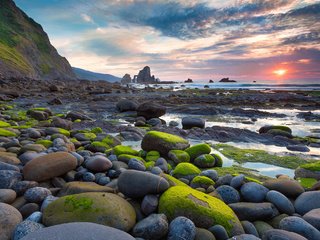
<point>87,18</point>
<point>303,38</point>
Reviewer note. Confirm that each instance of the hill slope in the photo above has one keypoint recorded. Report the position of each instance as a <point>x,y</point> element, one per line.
<point>87,75</point>
<point>25,49</point>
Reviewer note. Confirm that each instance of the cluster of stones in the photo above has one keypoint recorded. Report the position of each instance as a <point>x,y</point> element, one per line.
<point>60,184</point>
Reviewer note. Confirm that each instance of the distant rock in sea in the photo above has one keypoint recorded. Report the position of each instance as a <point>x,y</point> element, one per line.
<point>126,79</point>
<point>189,80</point>
<point>144,76</point>
<point>211,81</point>
<point>227,80</point>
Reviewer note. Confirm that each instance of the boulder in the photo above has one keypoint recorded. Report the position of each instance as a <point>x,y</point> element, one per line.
<point>288,187</point>
<point>151,110</point>
<point>102,208</point>
<point>313,217</point>
<point>154,226</point>
<point>79,231</point>
<point>190,122</point>
<point>204,210</point>
<point>125,105</point>
<point>136,184</point>
<point>10,217</point>
<point>186,170</point>
<point>182,228</point>
<point>48,166</point>
<point>82,187</point>
<point>278,234</point>
<point>197,150</point>
<point>179,156</point>
<point>163,142</point>
<point>9,178</point>
<point>307,201</point>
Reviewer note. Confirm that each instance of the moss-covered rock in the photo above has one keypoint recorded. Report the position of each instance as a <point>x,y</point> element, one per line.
<point>126,158</point>
<point>205,161</point>
<point>152,156</point>
<point>4,124</point>
<point>163,142</point>
<point>172,180</point>
<point>179,156</point>
<point>119,150</point>
<point>197,150</point>
<point>96,130</point>
<point>44,142</point>
<point>311,166</point>
<point>309,170</point>
<point>201,181</point>
<point>219,161</point>
<point>102,208</point>
<point>64,132</point>
<point>203,209</point>
<point>186,170</point>
<point>278,132</point>
<point>7,133</point>
<point>266,129</point>
<point>97,146</point>
<point>307,182</point>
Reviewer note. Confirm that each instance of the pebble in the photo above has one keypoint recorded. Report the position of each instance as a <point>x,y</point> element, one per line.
<point>237,181</point>
<point>35,217</point>
<point>307,201</point>
<point>245,237</point>
<point>24,228</point>
<point>7,196</point>
<point>149,204</point>
<point>136,165</point>
<point>249,228</point>
<point>36,194</point>
<point>9,219</point>
<point>8,178</point>
<point>98,163</point>
<point>313,217</point>
<point>288,187</point>
<point>228,194</point>
<point>29,208</point>
<point>253,192</point>
<point>182,228</point>
<point>219,232</point>
<point>282,203</point>
<point>279,234</point>
<point>210,173</point>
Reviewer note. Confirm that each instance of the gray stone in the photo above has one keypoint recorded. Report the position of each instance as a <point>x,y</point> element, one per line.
<point>149,204</point>
<point>301,227</point>
<point>237,181</point>
<point>298,148</point>
<point>36,194</point>
<point>35,217</point>
<point>8,178</point>
<point>190,122</point>
<point>253,192</point>
<point>278,234</point>
<point>228,194</point>
<point>154,226</point>
<point>7,196</point>
<point>49,199</point>
<point>210,173</point>
<point>219,232</point>
<point>307,201</point>
<point>245,237</point>
<point>21,187</point>
<point>24,228</point>
<point>151,110</point>
<point>7,166</point>
<point>254,211</point>
<point>249,228</point>
<point>79,231</point>
<point>313,217</point>
<point>136,165</point>
<point>98,163</point>
<point>282,203</point>
<point>182,228</point>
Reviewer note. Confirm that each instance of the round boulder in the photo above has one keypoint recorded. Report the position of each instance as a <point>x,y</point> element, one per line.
<point>307,201</point>
<point>125,105</point>
<point>10,217</point>
<point>151,110</point>
<point>98,163</point>
<point>253,192</point>
<point>182,228</point>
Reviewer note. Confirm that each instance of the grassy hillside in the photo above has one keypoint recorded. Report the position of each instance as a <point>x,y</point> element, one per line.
<point>25,48</point>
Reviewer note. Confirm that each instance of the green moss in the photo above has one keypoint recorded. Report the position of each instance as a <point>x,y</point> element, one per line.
<point>100,144</point>
<point>198,150</point>
<point>278,132</point>
<point>219,161</point>
<point>4,124</point>
<point>152,156</point>
<point>253,155</point>
<point>16,115</point>
<point>64,132</point>
<point>89,135</point>
<point>167,137</point>
<point>46,143</point>
<point>307,182</point>
<point>312,166</point>
<point>78,203</point>
<point>185,169</point>
<point>172,180</point>
<point>203,209</point>
<point>119,150</point>
<point>77,121</point>
<point>41,109</point>
<point>7,133</point>
<point>108,140</point>
<point>203,180</point>
<point>96,130</point>
<point>179,156</point>
<point>22,127</point>
<point>282,128</point>
<point>126,158</point>
<point>61,115</point>
<point>149,165</point>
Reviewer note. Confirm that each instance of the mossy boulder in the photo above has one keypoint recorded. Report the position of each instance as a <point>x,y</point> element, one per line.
<point>186,170</point>
<point>152,156</point>
<point>163,142</point>
<point>97,146</point>
<point>119,150</point>
<point>44,142</point>
<point>205,161</point>
<point>179,156</point>
<point>197,150</point>
<point>309,170</point>
<point>278,132</point>
<point>266,129</point>
<point>201,181</point>
<point>172,180</point>
<point>203,209</point>
<point>7,133</point>
<point>4,124</point>
<point>103,208</point>
<point>85,136</point>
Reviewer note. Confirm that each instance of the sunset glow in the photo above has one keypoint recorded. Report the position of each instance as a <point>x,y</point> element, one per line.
<point>280,72</point>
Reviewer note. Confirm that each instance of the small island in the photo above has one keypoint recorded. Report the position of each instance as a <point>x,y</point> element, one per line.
<point>227,80</point>
<point>189,80</point>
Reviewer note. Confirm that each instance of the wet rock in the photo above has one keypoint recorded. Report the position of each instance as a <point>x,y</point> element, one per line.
<point>282,203</point>
<point>182,228</point>
<point>278,234</point>
<point>151,110</point>
<point>190,122</point>
<point>253,192</point>
<point>307,201</point>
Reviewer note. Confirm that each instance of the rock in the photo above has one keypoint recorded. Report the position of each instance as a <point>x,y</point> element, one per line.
<point>282,203</point>
<point>245,237</point>
<point>298,148</point>
<point>6,166</point>
<point>204,210</point>
<point>228,194</point>
<point>36,194</point>
<point>290,188</point>
<point>313,217</point>
<point>278,234</point>
<point>35,217</point>
<point>10,158</point>
<point>125,105</point>
<point>126,79</point>
<point>262,227</point>
<point>151,110</point>
<point>149,204</point>
<point>98,163</point>
<point>204,234</point>
<point>197,150</point>
<point>10,217</point>
<point>48,166</point>
<point>179,156</point>
<point>102,208</point>
<point>253,211</point>
<point>219,232</point>
<point>253,192</point>
<point>186,170</point>
<point>237,181</point>
<point>301,227</point>
<point>136,184</point>
<point>307,201</point>
<point>249,228</point>
<point>29,208</point>
<point>7,196</point>
<point>144,76</point>
<point>21,187</point>
<point>24,228</point>
<point>190,122</point>
<point>224,180</point>
<point>306,173</point>
<point>28,156</point>
<point>79,231</point>
<point>8,178</point>
<point>205,161</point>
<point>201,182</point>
<point>47,201</point>
<point>136,165</point>
<point>182,228</point>
<point>266,129</point>
<point>154,226</point>
<point>76,115</point>
<point>210,173</point>
<point>33,148</point>
<point>163,142</point>
<point>82,187</point>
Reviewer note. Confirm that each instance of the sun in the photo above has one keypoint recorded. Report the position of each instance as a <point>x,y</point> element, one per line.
<point>280,72</point>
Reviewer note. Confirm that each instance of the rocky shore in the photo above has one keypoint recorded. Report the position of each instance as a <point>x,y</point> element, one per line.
<point>65,172</point>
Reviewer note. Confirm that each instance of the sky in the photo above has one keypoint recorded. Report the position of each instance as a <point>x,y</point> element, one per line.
<point>245,40</point>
